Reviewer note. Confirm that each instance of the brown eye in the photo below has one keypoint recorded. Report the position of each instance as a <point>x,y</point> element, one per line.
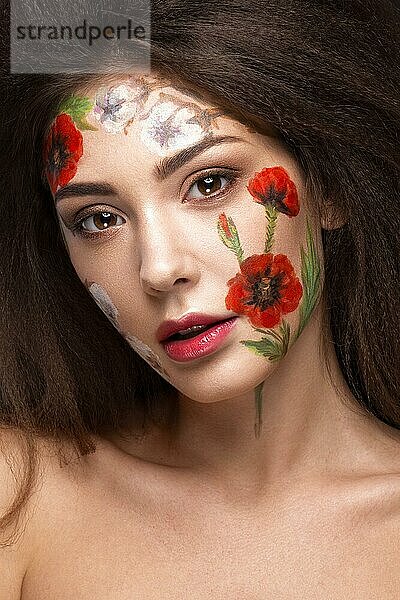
<point>102,221</point>
<point>207,186</point>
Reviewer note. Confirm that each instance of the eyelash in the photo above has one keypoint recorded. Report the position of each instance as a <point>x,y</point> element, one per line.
<point>230,174</point>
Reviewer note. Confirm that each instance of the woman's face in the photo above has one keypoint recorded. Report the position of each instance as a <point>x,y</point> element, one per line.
<point>169,207</point>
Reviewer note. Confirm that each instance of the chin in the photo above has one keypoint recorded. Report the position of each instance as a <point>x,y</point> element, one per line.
<point>225,381</point>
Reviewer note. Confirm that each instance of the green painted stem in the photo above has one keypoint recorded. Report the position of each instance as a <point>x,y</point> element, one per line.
<point>239,255</point>
<point>259,405</point>
<point>271,214</point>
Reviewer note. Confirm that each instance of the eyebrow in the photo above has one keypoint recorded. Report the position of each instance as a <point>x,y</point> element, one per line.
<point>162,170</point>
<point>84,189</point>
<point>169,165</point>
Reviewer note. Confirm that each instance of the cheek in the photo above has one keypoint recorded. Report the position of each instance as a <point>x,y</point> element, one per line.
<point>250,223</point>
<point>279,277</point>
<point>242,231</point>
<point>106,304</point>
<point>104,301</point>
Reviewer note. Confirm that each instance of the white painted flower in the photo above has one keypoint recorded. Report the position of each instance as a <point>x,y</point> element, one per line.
<point>167,127</point>
<point>118,105</point>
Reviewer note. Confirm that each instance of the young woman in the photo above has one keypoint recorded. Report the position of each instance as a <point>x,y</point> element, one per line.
<point>199,284</point>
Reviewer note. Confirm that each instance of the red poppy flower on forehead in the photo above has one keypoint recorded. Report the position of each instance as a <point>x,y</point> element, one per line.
<point>265,289</point>
<point>273,186</point>
<point>62,150</point>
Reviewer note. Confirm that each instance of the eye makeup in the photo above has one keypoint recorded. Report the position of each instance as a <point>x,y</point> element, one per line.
<point>206,180</point>
<point>230,174</point>
<point>77,228</point>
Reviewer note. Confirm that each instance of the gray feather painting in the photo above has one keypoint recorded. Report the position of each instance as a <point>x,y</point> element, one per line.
<point>105,303</point>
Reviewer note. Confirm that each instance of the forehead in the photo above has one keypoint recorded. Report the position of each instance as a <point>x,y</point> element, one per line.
<point>137,92</point>
<point>115,128</point>
<point>139,118</point>
<point>149,115</point>
<point>134,96</point>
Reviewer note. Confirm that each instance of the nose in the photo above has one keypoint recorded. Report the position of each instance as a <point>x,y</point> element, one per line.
<point>167,259</point>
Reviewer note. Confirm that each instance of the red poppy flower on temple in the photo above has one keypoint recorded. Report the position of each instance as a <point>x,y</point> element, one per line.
<point>273,186</point>
<point>62,150</point>
<point>265,289</point>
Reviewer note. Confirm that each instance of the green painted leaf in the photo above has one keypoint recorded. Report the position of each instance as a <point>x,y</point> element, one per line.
<point>311,276</point>
<point>274,345</point>
<point>77,107</point>
<point>266,347</point>
<point>232,242</point>
<point>271,332</point>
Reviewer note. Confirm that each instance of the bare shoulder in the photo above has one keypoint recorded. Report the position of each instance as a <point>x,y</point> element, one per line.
<point>14,553</point>
<point>23,494</point>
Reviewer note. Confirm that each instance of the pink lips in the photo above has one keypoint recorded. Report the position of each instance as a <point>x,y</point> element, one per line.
<point>203,344</point>
<point>168,328</point>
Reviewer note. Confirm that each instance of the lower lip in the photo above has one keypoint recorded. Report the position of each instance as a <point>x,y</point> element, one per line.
<point>201,345</point>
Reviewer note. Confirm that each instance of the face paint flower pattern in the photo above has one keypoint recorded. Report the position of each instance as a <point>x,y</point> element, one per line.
<point>105,303</point>
<point>265,289</point>
<point>169,127</point>
<point>169,124</point>
<point>273,186</point>
<point>62,150</point>
<point>116,107</point>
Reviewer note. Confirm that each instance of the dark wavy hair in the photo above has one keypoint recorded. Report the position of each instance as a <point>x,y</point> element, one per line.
<point>316,71</point>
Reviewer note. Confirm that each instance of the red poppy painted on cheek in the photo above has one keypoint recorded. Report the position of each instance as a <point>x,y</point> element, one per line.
<point>265,289</point>
<point>273,187</point>
<point>62,150</point>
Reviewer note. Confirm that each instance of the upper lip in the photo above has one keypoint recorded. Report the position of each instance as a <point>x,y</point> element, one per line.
<point>168,328</point>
